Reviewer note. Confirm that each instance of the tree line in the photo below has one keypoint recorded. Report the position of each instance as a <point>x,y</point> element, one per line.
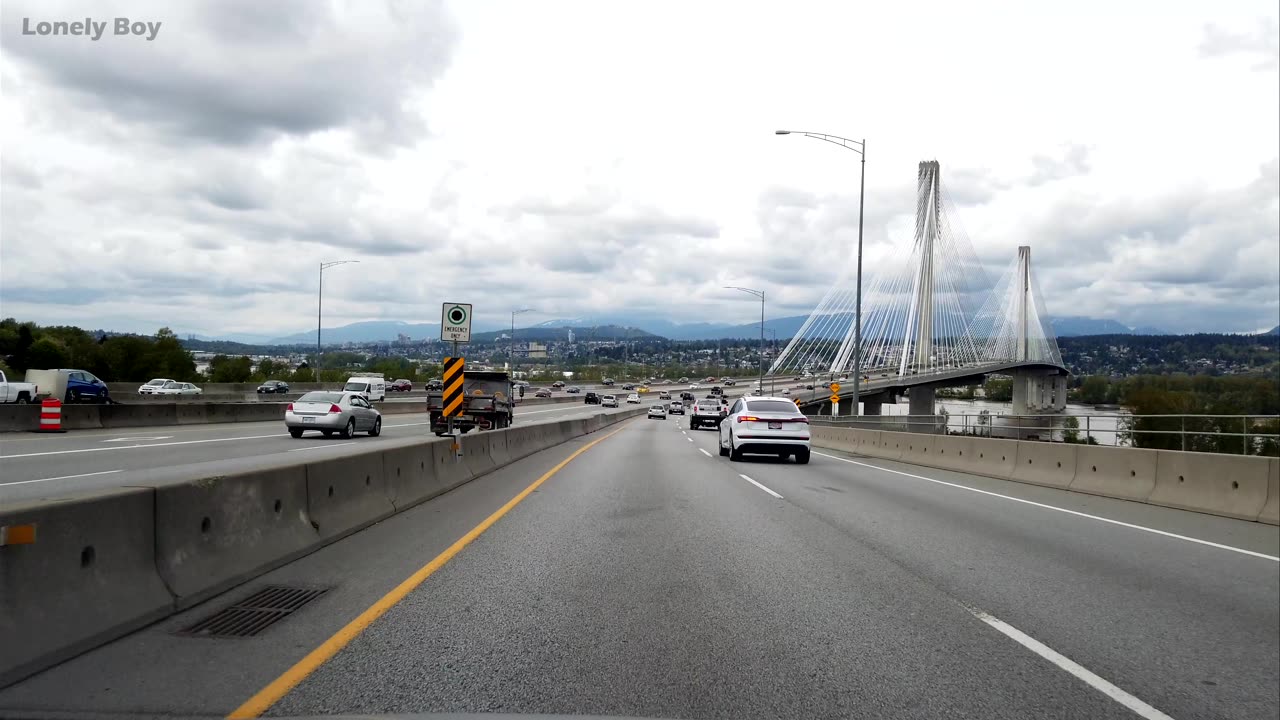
<point>25,346</point>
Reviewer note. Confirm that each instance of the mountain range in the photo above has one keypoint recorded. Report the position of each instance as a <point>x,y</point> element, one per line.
<point>636,324</point>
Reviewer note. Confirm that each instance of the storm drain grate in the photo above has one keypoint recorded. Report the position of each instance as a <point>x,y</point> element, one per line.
<point>255,613</point>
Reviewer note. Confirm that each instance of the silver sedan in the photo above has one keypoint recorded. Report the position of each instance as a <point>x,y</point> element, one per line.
<point>345,413</point>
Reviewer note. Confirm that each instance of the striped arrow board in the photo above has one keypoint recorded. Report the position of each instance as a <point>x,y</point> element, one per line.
<point>453,397</point>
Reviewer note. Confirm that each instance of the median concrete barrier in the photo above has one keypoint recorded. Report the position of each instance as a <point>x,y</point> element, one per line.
<point>835,438</point>
<point>192,414</point>
<point>345,494</point>
<point>89,576</point>
<point>451,471</point>
<point>1271,511</point>
<point>1230,485</point>
<point>214,533</point>
<point>1127,473</point>
<point>498,447</point>
<point>106,563</point>
<point>475,453</point>
<point>1042,463</point>
<point>410,471</point>
<point>127,416</point>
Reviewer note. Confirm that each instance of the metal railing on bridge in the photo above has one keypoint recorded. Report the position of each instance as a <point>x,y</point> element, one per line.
<point>1227,434</point>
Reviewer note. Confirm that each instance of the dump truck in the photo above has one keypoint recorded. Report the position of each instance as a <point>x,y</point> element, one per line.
<point>488,403</point>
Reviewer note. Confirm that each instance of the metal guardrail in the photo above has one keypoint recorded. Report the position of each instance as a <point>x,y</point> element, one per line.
<point>1256,434</point>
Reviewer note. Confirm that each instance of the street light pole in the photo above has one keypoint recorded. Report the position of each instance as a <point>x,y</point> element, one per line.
<point>860,147</point>
<point>511,345</point>
<point>320,300</point>
<point>759,294</point>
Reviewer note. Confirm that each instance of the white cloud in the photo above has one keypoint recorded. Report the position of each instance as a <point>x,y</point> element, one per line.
<point>583,158</point>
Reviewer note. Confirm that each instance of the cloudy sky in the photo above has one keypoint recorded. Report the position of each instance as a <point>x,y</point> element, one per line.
<point>585,157</point>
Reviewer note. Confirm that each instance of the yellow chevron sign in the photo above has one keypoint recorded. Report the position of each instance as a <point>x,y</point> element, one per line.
<point>453,395</point>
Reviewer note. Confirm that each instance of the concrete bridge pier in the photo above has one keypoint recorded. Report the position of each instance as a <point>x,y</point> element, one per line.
<point>1060,393</point>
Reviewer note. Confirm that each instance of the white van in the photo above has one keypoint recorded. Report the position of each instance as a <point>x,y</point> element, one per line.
<point>374,389</point>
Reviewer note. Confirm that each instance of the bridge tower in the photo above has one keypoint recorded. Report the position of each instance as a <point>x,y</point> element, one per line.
<point>918,343</point>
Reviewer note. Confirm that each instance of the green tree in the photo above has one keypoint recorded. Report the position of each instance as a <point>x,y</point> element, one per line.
<point>1095,390</point>
<point>1071,429</point>
<point>998,389</point>
<point>303,374</point>
<point>46,354</point>
<point>170,359</point>
<point>266,368</point>
<point>223,369</point>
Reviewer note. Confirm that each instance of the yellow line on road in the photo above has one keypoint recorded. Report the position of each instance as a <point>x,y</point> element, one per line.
<point>271,694</point>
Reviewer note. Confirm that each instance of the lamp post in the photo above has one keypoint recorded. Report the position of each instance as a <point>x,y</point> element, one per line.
<point>774,346</point>
<point>759,294</point>
<point>860,147</point>
<point>320,301</point>
<point>511,345</point>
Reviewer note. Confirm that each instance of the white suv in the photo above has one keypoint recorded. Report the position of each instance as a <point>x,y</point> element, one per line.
<point>609,401</point>
<point>765,426</point>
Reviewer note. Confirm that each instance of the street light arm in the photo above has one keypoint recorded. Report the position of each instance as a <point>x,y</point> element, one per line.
<point>857,146</point>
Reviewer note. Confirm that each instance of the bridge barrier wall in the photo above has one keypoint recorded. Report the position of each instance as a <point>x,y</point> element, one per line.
<point>216,532</point>
<point>1051,464</point>
<point>1230,485</point>
<point>90,576</point>
<point>193,414</point>
<point>952,451</point>
<point>347,493</point>
<point>1235,486</point>
<point>918,448</point>
<point>1126,473</point>
<point>1271,511</point>
<point>498,447</point>
<point>107,563</point>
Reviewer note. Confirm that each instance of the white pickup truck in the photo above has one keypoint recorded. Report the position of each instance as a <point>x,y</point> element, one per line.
<point>16,392</point>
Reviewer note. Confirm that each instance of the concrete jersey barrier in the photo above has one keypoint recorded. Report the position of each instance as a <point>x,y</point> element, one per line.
<point>1235,486</point>
<point>89,577</point>
<point>107,563</point>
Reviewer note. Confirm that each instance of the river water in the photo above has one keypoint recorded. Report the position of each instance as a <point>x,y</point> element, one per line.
<point>986,418</point>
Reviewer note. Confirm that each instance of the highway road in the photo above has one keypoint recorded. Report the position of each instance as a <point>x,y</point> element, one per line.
<point>40,466</point>
<point>637,573</point>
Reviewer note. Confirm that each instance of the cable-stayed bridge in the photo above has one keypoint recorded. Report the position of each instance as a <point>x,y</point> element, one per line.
<point>932,319</point>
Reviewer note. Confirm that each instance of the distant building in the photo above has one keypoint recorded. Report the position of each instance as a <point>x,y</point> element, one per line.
<point>570,335</point>
<point>402,338</point>
<point>535,350</point>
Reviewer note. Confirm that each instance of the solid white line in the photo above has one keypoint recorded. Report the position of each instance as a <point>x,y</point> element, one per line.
<point>64,477</point>
<point>753,482</point>
<point>704,452</point>
<point>1058,509</point>
<point>320,447</point>
<point>1137,706</point>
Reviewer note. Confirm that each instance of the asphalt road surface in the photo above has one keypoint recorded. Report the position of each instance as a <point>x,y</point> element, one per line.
<point>647,576</point>
<point>37,466</point>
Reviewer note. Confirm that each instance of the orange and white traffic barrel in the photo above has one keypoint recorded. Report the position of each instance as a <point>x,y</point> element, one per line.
<point>51,416</point>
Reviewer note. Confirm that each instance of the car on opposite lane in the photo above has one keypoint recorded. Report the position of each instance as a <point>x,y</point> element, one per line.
<point>765,426</point>
<point>152,387</point>
<point>401,386</point>
<point>272,387</point>
<point>329,412</point>
<point>173,387</point>
<point>609,401</point>
<point>542,393</point>
<point>658,411</point>
<point>574,390</point>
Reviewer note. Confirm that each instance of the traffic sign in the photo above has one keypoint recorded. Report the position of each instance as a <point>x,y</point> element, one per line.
<point>453,376</point>
<point>835,388</point>
<point>455,322</point>
<point>835,399</point>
